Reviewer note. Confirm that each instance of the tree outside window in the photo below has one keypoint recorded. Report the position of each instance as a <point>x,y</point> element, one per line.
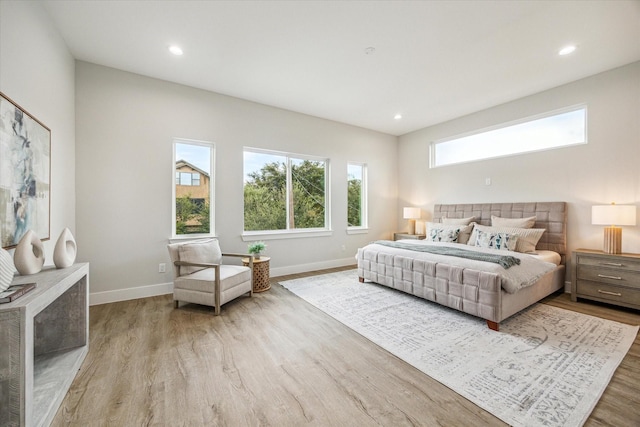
<point>284,192</point>
<point>356,195</point>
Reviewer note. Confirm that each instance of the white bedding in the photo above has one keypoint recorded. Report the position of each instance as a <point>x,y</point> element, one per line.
<point>531,268</point>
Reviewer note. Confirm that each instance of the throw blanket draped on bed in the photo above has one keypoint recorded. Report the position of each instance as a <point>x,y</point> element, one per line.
<point>505,261</point>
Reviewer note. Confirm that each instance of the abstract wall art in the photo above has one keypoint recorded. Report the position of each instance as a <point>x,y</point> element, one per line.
<point>25,174</point>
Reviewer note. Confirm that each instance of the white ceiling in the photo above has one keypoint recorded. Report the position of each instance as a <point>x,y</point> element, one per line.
<point>433,60</point>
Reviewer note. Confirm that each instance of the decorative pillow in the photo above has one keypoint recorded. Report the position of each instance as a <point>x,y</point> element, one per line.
<point>501,241</point>
<point>440,235</point>
<point>527,237</point>
<point>463,231</point>
<point>207,251</point>
<point>458,221</point>
<point>497,221</point>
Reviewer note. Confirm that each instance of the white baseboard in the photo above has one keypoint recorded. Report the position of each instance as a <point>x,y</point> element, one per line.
<point>97,298</point>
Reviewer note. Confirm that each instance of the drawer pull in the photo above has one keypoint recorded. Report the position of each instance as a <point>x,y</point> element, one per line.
<point>615,264</point>
<point>615,294</point>
<point>604,276</point>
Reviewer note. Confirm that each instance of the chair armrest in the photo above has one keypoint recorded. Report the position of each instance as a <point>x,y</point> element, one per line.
<point>237,255</point>
<point>241,256</point>
<point>194,264</point>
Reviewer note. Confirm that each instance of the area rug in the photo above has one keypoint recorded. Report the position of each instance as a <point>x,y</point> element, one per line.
<point>547,366</point>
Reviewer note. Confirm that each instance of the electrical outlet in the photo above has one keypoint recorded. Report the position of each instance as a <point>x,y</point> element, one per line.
<point>162,267</point>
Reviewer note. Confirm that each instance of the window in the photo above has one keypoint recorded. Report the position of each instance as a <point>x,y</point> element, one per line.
<point>186,178</point>
<point>552,130</point>
<point>356,195</point>
<point>193,190</point>
<point>284,192</point>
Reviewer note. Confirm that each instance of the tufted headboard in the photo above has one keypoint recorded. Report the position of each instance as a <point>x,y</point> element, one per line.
<point>552,216</point>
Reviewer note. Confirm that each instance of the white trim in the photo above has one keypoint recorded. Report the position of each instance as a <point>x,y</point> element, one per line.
<point>106,297</point>
<point>97,298</point>
<point>357,230</point>
<point>303,268</point>
<point>299,233</point>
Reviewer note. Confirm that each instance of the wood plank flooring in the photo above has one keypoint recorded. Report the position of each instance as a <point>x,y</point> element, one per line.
<point>274,360</point>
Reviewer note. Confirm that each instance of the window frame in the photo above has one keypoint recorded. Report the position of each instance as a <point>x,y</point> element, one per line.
<point>513,123</point>
<point>212,181</point>
<point>364,205</point>
<point>248,235</point>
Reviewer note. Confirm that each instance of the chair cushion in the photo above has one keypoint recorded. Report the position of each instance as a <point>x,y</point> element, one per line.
<point>203,280</point>
<point>207,251</point>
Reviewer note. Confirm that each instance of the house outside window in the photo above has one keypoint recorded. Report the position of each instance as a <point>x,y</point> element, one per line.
<point>193,189</point>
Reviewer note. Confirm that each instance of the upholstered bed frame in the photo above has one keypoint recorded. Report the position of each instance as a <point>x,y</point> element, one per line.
<point>474,292</point>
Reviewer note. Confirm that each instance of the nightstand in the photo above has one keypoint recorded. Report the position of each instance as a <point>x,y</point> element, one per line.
<point>398,236</point>
<point>614,279</point>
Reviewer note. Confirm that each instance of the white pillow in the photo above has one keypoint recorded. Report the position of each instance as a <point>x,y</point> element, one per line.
<point>497,221</point>
<point>440,235</point>
<point>458,221</point>
<point>527,237</point>
<point>501,241</point>
<point>207,251</point>
<point>463,233</point>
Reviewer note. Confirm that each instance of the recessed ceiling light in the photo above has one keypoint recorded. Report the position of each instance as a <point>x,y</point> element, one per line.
<point>175,50</point>
<point>567,50</point>
<point>397,116</point>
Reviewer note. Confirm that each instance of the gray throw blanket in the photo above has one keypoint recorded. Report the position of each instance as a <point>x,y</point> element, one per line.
<point>505,261</point>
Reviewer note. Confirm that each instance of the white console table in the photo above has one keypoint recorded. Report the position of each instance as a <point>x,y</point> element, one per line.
<point>45,338</point>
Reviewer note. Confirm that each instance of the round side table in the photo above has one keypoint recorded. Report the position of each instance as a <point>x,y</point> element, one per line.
<point>260,273</point>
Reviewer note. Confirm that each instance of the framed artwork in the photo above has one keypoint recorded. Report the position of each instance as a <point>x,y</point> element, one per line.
<point>25,174</point>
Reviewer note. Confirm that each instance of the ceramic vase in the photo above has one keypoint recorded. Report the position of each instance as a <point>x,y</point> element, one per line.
<point>64,253</point>
<point>29,254</point>
<point>6,269</point>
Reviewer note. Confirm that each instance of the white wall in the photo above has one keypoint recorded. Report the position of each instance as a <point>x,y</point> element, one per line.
<point>37,72</point>
<point>603,171</point>
<point>125,126</point>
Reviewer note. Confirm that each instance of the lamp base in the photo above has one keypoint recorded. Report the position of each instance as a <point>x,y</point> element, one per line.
<point>412,226</point>
<point>612,240</point>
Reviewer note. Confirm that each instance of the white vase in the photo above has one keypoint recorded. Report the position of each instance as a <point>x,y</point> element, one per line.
<point>29,254</point>
<point>64,253</point>
<point>6,270</point>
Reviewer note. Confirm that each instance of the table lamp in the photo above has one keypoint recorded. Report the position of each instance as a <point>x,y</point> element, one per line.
<point>411,214</point>
<point>613,215</point>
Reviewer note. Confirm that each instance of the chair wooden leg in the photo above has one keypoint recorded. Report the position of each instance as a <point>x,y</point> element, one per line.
<point>176,303</point>
<point>494,326</point>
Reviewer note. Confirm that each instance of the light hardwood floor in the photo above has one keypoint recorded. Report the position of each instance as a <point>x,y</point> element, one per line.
<point>274,360</point>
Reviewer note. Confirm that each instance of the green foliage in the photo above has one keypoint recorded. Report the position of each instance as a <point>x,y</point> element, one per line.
<point>191,217</point>
<point>256,247</point>
<point>354,190</point>
<point>265,197</point>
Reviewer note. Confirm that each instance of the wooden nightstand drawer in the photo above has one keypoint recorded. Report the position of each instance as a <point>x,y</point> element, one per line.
<point>607,292</point>
<point>610,278</point>
<point>617,263</point>
<point>609,275</point>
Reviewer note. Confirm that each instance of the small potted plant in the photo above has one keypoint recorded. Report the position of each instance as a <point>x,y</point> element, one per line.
<point>255,248</point>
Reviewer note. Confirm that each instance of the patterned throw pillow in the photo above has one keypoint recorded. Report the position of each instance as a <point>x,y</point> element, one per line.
<point>443,235</point>
<point>527,237</point>
<point>501,241</point>
<point>464,231</point>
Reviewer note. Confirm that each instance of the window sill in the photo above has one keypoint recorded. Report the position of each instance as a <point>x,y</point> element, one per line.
<point>357,230</point>
<point>248,236</point>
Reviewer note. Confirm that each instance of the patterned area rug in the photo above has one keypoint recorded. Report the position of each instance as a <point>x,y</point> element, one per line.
<point>546,366</point>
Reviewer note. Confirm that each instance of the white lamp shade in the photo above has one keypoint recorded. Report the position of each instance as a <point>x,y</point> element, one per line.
<point>613,215</point>
<point>411,213</point>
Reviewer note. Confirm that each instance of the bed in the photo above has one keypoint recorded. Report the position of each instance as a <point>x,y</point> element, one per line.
<point>474,286</point>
